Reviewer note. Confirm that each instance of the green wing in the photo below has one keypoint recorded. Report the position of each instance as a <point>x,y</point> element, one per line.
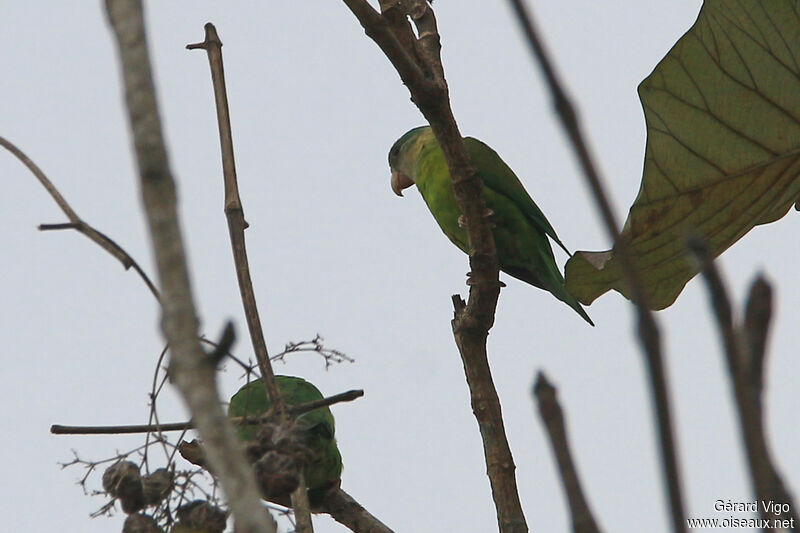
<point>325,463</point>
<point>498,177</point>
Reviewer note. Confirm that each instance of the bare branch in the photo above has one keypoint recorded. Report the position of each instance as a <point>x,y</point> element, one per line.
<point>59,429</point>
<point>235,213</point>
<point>649,335</point>
<point>302,507</point>
<point>744,353</point>
<point>348,512</point>
<point>189,367</point>
<point>75,222</point>
<point>379,29</point>
<point>301,408</point>
<point>553,419</point>
<point>418,62</point>
<point>292,410</point>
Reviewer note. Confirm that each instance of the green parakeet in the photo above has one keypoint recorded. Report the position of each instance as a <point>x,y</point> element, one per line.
<point>323,466</point>
<point>521,230</point>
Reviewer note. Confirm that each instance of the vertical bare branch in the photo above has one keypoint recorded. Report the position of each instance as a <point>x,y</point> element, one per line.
<point>302,507</point>
<point>486,408</point>
<point>189,368</point>
<point>234,213</point>
<point>553,419</point>
<point>418,61</point>
<point>649,335</point>
<point>744,347</point>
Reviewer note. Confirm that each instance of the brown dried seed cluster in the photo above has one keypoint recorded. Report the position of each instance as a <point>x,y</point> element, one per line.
<point>123,481</point>
<point>200,515</point>
<point>277,456</point>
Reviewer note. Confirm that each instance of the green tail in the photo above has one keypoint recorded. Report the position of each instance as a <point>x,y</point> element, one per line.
<point>573,303</point>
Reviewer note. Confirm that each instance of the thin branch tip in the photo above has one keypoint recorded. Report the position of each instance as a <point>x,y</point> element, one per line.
<point>541,384</point>
<point>211,37</point>
<point>649,336</point>
<point>553,419</point>
<point>295,410</point>
<point>744,349</point>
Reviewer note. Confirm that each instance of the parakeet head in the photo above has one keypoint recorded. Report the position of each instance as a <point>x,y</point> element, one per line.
<point>403,157</point>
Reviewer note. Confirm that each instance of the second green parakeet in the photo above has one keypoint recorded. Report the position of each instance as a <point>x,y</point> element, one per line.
<point>520,230</point>
<point>322,466</point>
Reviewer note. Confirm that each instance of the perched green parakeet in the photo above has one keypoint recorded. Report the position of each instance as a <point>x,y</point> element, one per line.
<point>323,466</point>
<point>521,230</point>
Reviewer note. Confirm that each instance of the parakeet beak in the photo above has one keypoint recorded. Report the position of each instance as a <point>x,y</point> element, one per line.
<point>400,181</point>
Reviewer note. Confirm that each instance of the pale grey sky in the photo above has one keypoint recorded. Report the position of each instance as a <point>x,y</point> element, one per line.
<point>315,107</point>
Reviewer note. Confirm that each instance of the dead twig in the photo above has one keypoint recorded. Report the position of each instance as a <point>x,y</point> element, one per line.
<point>744,346</point>
<point>348,512</point>
<point>189,368</point>
<point>234,212</point>
<point>293,411</point>
<point>649,335</point>
<point>76,222</point>
<point>553,419</point>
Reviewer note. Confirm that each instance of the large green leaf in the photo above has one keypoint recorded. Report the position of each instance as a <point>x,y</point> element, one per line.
<point>723,146</point>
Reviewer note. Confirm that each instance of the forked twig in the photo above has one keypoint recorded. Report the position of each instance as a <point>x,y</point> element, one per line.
<point>649,335</point>
<point>76,222</point>
<point>744,346</point>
